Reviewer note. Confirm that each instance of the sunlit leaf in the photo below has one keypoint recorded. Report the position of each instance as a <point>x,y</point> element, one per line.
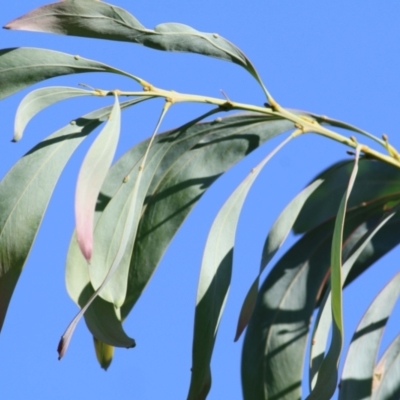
<point>200,155</point>
<point>104,353</point>
<point>26,190</point>
<point>358,370</point>
<point>38,100</point>
<point>96,19</point>
<point>326,382</point>
<point>386,383</point>
<point>25,66</point>
<point>276,237</point>
<point>375,179</point>
<point>91,176</point>
<point>214,281</point>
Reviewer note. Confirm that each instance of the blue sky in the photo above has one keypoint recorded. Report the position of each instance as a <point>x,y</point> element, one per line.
<point>339,59</point>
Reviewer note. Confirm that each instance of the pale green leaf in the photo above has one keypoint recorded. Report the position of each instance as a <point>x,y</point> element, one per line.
<point>25,66</point>
<point>38,100</point>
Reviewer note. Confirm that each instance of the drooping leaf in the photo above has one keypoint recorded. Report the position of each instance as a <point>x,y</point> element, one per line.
<point>91,176</point>
<point>185,171</point>
<point>358,370</point>
<point>80,290</point>
<point>326,382</point>
<point>276,237</point>
<point>365,245</point>
<point>39,99</point>
<point>375,179</point>
<point>97,19</point>
<point>214,282</point>
<point>180,182</point>
<point>104,353</point>
<point>386,383</point>
<point>26,190</point>
<point>25,66</point>
<point>275,341</point>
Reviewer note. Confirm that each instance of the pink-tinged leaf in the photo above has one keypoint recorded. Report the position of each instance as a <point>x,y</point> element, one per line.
<point>91,176</point>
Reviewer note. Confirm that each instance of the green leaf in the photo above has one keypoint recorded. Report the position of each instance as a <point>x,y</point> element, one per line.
<point>214,281</point>
<point>25,66</point>
<point>81,291</point>
<point>276,237</point>
<point>375,179</point>
<point>359,247</point>
<point>38,100</point>
<point>96,19</point>
<point>386,384</point>
<point>91,177</point>
<point>200,155</point>
<point>26,190</point>
<point>276,336</point>
<point>274,345</point>
<point>325,385</point>
<point>104,353</point>
<point>358,370</point>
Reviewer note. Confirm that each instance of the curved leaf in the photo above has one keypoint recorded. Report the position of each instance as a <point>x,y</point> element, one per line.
<point>326,382</point>
<point>375,179</point>
<point>104,353</point>
<point>276,237</point>
<point>358,370</point>
<point>275,340</point>
<point>214,281</point>
<point>25,66</point>
<point>386,383</point>
<point>181,181</point>
<point>91,176</point>
<point>39,99</point>
<point>26,190</point>
<point>95,19</point>
<point>81,291</point>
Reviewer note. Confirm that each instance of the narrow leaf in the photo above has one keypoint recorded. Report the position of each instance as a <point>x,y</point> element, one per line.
<point>198,157</point>
<point>386,383</point>
<point>104,353</point>
<point>364,249</point>
<point>19,194</point>
<point>358,370</point>
<point>38,100</point>
<point>325,385</point>
<point>276,237</point>
<point>96,19</point>
<point>375,179</point>
<point>91,176</point>
<point>25,66</point>
<point>214,281</point>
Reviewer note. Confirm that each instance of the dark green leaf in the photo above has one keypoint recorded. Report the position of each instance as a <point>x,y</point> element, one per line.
<point>276,237</point>
<point>214,281</point>
<point>375,179</point>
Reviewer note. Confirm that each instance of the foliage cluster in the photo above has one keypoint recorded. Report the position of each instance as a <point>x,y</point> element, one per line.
<point>128,212</point>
